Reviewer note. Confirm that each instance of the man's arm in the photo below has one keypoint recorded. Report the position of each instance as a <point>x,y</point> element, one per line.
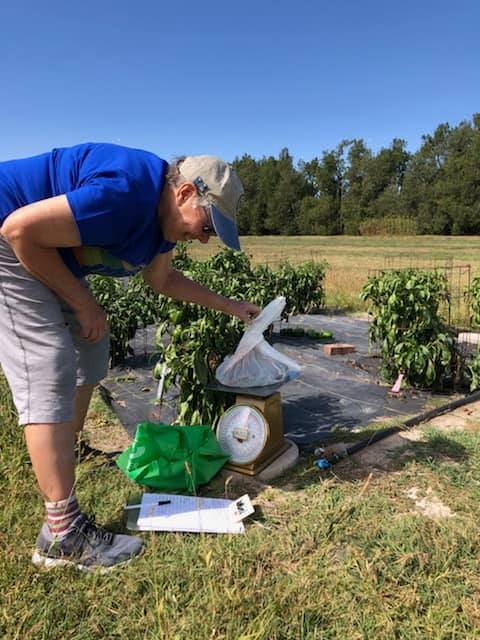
<point>164,279</point>
<point>34,233</point>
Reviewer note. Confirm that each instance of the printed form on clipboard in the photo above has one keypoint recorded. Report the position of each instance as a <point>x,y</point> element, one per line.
<point>166,512</point>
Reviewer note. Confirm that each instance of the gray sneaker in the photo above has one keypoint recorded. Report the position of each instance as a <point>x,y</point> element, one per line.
<point>87,546</point>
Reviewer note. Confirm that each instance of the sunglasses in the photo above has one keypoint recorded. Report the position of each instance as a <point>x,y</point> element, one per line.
<point>208,228</point>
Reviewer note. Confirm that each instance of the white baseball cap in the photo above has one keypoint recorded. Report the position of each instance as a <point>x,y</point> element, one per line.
<point>217,181</point>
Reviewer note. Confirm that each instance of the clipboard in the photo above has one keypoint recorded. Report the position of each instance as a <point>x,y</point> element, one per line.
<point>188,514</point>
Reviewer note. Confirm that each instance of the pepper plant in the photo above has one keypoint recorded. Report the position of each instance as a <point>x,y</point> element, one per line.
<point>193,340</point>
<point>414,339</point>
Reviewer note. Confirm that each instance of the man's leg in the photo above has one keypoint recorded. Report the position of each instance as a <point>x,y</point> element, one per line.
<point>40,361</point>
<point>69,536</point>
<point>51,449</point>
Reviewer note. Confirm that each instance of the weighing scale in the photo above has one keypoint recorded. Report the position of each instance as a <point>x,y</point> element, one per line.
<point>251,431</point>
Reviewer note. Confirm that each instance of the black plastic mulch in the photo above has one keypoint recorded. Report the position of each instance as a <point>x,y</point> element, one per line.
<point>332,393</point>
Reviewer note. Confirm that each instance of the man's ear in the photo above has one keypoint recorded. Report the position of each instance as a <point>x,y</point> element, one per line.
<point>184,192</point>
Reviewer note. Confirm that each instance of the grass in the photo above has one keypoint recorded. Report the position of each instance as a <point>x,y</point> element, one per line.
<point>352,258</point>
<point>336,554</point>
<point>329,555</point>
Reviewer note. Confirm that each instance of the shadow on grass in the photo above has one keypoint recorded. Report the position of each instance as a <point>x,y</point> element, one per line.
<point>439,447</point>
<point>380,458</point>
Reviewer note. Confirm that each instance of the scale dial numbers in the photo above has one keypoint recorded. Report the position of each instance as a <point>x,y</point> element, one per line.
<point>242,433</point>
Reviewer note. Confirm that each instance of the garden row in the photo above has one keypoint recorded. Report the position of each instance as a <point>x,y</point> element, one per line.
<point>407,324</point>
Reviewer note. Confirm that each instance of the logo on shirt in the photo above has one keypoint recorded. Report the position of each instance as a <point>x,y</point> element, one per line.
<point>95,260</point>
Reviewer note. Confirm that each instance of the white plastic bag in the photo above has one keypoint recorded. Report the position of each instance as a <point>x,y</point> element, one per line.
<point>255,363</point>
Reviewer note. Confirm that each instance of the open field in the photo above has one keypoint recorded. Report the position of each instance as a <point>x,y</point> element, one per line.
<point>383,551</point>
<point>351,257</point>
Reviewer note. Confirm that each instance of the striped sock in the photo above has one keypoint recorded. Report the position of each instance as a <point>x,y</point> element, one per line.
<point>60,515</point>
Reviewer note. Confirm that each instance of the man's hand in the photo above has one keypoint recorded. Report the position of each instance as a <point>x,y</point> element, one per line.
<point>244,310</point>
<point>92,319</point>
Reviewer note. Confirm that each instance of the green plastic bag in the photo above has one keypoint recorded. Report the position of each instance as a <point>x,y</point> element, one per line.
<point>172,458</point>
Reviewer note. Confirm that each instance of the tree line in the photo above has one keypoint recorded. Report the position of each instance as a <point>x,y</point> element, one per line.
<point>352,190</point>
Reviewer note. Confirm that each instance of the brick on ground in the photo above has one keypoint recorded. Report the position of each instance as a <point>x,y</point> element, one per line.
<point>338,349</point>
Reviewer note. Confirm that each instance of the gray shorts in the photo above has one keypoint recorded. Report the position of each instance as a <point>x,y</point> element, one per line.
<point>41,353</point>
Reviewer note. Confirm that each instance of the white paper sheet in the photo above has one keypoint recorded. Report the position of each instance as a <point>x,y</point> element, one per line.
<point>188,513</point>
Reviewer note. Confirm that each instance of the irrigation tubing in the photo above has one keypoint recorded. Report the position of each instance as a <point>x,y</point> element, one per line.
<point>324,463</point>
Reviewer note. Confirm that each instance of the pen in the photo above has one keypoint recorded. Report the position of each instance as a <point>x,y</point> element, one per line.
<point>155,504</point>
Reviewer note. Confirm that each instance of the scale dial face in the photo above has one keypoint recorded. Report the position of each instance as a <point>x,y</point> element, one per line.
<point>242,433</point>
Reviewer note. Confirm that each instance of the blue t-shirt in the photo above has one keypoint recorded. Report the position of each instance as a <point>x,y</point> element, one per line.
<point>113,192</point>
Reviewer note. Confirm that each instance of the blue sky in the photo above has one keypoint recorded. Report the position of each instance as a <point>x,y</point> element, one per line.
<point>182,77</point>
